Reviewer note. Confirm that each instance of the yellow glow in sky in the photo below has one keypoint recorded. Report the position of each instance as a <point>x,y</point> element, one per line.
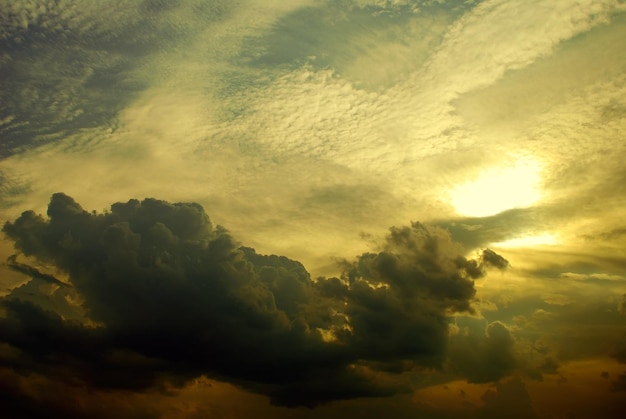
<point>545,239</point>
<point>498,189</point>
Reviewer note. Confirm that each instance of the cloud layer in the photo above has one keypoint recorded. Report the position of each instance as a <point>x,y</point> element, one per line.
<point>309,127</point>
<point>169,297</point>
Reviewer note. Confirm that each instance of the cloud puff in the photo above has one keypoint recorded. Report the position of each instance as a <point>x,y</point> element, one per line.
<point>168,296</point>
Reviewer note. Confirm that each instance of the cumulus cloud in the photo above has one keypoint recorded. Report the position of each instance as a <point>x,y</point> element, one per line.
<point>168,296</point>
<point>299,124</point>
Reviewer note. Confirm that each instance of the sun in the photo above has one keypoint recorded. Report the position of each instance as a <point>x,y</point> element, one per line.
<point>498,189</point>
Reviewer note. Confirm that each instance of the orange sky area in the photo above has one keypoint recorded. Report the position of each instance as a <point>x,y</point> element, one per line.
<point>581,389</point>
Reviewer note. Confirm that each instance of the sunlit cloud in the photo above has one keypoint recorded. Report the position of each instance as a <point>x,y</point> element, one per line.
<point>499,189</point>
<point>545,239</point>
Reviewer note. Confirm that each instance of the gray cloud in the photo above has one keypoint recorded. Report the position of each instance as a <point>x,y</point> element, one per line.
<point>404,35</point>
<point>180,298</point>
<point>69,66</point>
<point>480,231</point>
<point>483,357</point>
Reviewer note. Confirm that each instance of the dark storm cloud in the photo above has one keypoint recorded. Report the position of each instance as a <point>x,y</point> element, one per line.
<point>171,297</point>
<point>396,298</point>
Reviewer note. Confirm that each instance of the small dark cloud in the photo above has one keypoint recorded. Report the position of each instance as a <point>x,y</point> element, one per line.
<point>475,232</point>
<point>483,357</point>
<point>491,258</point>
<point>168,296</point>
<point>549,366</point>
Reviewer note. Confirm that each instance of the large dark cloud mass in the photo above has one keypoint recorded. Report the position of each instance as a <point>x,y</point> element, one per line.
<point>167,296</point>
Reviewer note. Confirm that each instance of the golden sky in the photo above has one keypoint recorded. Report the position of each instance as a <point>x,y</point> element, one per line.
<point>403,208</point>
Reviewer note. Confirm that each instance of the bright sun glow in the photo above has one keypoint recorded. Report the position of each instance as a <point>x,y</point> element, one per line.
<point>498,189</point>
<point>545,239</point>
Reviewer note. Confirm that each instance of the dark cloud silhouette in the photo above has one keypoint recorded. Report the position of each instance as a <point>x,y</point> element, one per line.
<point>483,357</point>
<point>491,258</point>
<point>167,297</point>
<point>479,231</point>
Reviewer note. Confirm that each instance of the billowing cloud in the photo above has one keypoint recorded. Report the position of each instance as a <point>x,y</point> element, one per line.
<point>308,127</point>
<point>168,296</point>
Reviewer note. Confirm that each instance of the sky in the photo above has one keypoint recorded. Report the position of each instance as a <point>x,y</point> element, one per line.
<point>313,208</point>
